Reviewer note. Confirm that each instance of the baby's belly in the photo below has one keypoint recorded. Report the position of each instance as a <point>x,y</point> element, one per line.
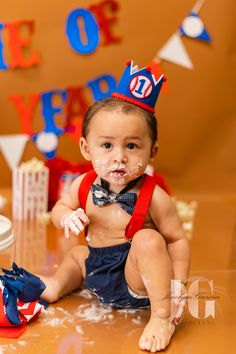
<point>104,237</point>
<point>107,225</point>
<point>98,236</point>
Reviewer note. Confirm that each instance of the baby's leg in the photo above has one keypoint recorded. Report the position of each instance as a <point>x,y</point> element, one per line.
<point>148,270</point>
<point>68,276</point>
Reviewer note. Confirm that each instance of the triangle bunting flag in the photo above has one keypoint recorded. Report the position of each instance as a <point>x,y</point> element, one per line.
<point>175,52</point>
<point>12,148</point>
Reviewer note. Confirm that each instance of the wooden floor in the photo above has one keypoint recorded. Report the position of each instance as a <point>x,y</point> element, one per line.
<point>79,324</point>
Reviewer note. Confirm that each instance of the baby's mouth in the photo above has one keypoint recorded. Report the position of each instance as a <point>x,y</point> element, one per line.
<point>118,173</point>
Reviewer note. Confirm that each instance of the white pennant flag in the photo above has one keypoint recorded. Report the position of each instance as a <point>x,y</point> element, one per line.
<point>175,52</point>
<point>12,147</point>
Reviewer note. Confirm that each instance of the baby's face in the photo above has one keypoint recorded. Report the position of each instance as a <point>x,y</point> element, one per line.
<point>119,146</point>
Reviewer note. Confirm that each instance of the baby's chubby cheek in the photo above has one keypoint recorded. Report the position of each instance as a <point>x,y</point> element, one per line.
<point>134,170</point>
<point>102,168</point>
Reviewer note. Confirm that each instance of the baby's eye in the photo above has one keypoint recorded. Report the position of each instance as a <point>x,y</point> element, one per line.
<point>107,145</point>
<point>132,146</point>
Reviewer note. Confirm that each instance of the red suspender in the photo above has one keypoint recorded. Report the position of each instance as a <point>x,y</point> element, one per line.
<point>137,219</point>
<point>141,207</point>
<point>84,188</point>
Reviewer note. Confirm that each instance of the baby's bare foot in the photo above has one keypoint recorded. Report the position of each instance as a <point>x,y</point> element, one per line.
<point>157,334</point>
<point>52,293</point>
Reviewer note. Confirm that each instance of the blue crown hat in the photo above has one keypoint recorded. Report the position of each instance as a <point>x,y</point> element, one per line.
<point>139,87</point>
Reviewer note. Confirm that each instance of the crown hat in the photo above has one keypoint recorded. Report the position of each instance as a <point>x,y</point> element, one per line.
<point>139,87</point>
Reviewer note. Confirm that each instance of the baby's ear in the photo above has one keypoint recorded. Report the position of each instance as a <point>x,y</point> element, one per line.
<point>84,149</point>
<point>154,151</point>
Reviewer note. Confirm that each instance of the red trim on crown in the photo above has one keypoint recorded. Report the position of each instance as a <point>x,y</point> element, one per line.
<point>137,103</point>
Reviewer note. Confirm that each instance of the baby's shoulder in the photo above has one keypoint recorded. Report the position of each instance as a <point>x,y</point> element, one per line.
<point>70,197</point>
<point>74,188</point>
<point>160,199</point>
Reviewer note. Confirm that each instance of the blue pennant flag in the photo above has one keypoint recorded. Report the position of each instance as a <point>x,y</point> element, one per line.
<point>193,27</point>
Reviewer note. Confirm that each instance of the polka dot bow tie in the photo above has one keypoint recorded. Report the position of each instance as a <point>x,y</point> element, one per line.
<point>103,196</point>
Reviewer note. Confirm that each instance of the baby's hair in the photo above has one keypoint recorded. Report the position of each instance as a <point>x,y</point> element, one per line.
<point>112,103</point>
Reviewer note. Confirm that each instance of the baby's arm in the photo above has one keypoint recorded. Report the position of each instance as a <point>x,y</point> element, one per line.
<point>164,215</point>
<point>67,214</point>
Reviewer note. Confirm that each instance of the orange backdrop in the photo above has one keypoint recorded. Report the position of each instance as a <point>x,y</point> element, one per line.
<point>196,117</point>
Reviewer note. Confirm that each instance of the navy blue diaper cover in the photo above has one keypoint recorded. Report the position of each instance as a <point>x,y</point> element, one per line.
<point>106,279</point>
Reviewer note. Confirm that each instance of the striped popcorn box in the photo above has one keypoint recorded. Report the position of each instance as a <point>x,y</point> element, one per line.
<point>30,190</point>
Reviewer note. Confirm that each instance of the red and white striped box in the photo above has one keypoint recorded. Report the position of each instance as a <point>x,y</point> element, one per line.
<point>30,190</point>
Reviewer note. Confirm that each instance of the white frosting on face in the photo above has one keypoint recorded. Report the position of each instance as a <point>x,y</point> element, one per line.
<point>106,170</point>
<point>118,162</point>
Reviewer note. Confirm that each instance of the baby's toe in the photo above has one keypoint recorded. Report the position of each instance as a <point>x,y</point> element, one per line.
<point>164,341</point>
<point>154,344</point>
<point>159,344</point>
<point>142,342</point>
<point>149,343</point>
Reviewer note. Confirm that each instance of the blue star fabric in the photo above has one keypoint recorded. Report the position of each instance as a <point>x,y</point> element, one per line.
<point>19,284</point>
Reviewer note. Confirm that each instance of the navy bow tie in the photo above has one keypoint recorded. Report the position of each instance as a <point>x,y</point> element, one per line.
<point>102,196</point>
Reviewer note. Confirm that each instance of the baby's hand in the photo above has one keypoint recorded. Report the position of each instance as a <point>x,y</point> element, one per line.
<point>74,221</point>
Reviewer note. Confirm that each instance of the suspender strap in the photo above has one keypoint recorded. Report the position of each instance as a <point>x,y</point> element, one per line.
<point>84,188</point>
<point>141,207</point>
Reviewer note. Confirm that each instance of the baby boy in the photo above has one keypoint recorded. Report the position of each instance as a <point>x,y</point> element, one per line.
<point>136,244</point>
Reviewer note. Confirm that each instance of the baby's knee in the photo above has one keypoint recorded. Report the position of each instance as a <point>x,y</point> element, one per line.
<point>146,240</point>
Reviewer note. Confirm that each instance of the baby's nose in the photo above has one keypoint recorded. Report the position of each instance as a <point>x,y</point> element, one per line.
<point>120,157</point>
